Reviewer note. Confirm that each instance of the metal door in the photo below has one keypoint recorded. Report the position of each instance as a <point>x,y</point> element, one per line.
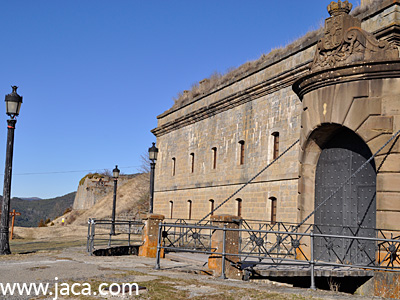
<point>351,211</point>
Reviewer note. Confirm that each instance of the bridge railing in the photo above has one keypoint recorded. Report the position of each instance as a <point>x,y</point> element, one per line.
<point>188,235</point>
<point>106,233</point>
<point>296,248</point>
<point>271,238</point>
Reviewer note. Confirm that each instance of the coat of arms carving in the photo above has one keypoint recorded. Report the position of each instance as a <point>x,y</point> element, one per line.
<point>333,32</point>
<point>344,41</point>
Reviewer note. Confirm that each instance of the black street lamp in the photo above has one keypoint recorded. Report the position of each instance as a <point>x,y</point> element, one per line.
<point>115,176</point>
<point>13,105</point>
<point>153,152</point>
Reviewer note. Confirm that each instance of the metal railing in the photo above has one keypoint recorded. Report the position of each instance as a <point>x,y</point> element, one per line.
<point>190,235</point>
<point>266,238</point>
<point>296,248</point>
<point>276,240</point>
<point>127,233</point>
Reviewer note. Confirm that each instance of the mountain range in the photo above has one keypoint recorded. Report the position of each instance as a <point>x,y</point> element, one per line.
<point>29,198</point>
<point>34,209</point>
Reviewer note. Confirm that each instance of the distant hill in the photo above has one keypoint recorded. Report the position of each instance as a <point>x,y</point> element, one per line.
<point>30,198</point>
<point>34,210</point>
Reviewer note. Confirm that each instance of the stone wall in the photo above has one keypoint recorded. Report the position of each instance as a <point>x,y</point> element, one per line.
<point>93,189</point>
<point>357,89</point>
<point>250,109</point>
<point>252,122</point>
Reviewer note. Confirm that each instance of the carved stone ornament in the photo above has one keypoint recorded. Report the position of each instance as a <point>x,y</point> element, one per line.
<point>344,41</point>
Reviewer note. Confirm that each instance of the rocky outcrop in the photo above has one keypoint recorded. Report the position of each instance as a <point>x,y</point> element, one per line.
<point>93,188</point>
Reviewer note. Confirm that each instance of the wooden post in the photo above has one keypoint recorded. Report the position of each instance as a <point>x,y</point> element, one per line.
<point>12,214</point>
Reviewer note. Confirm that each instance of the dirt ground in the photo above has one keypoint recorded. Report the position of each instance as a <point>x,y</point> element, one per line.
<point>57,255</point>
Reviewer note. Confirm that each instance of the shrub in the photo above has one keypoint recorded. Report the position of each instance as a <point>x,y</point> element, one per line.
<point>47,221</point>
<point>72,217</point>
<point>69,209</point>
<point>41,223</point>
<point>90,176</point>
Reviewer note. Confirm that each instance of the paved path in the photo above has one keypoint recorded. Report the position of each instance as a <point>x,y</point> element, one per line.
<point>74,264</point>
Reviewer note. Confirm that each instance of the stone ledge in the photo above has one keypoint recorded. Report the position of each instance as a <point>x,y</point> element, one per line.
<point>225,218</point>
<point>269,86</point>
<point>367,70</point>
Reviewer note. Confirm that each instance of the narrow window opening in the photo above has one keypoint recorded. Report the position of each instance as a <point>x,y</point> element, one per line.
<point>276,145</point>
<point>214,162</point>
<point>273,210</point>
<point>189,209</point>
<point>192,162</point>
<point>173,166</point>
<point>171,209</point>
<point>211,207</point>
<point>241,158</point>
<point>239,207</point>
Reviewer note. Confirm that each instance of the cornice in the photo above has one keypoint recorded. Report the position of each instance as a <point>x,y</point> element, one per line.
<point>370,13</point>
<point>352,72</point>
<point>266,87</point>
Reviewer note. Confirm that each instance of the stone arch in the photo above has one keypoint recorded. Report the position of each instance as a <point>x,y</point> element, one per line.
<point>312,148</point>
<point>309,159</point>
<point>337,149</point>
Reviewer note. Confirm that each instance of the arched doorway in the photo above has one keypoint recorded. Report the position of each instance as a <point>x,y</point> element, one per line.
<point>352,210</point>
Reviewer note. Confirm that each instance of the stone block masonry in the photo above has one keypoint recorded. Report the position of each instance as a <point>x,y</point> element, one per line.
<point>215,261</point>
<point>216,175</point>
<point>150,236</point>
<point>95,188</point>
<point>338,92</point>
<point>212,145</point>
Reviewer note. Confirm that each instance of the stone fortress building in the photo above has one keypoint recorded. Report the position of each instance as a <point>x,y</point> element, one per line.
<point>94,187</point>
<point>336,90</point>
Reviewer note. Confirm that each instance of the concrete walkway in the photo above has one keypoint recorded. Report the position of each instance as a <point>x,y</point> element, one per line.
<point>74,265</point>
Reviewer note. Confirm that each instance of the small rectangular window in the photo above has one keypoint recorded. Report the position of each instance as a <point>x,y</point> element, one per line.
<point>212,207</point>
<point>241,158</point>
<point>173,166</point>
<point>171,209</point>
<point>239,207</point>
<point>214,162</point>
<point>276,145</point>
<point>192,163</point>
<point>273,210</point>
<point>189,209</point>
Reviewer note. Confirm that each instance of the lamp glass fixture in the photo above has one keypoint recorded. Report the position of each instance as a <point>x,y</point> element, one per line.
<point>116,172</point>
<point>13,103</point>
<point>153,152</point>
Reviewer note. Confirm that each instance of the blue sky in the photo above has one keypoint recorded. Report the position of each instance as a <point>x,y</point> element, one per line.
<point>94,74</point>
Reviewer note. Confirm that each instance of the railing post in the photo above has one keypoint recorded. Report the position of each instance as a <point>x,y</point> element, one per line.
<point>111,233</point>
<point>88,236</point>
<point>223,276</point>
<point>312,262</point>
<point>129,233</point>
<point>92,236</point>
<point>157,267</point>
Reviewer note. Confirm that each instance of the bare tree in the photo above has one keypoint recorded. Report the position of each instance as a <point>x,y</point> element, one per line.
<point>144,163</point>
<point>106,172</point>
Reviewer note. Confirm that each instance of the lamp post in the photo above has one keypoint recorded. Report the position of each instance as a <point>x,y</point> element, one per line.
<point>153,152</point>
<point>13,105</point>
<point>115,176</point>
